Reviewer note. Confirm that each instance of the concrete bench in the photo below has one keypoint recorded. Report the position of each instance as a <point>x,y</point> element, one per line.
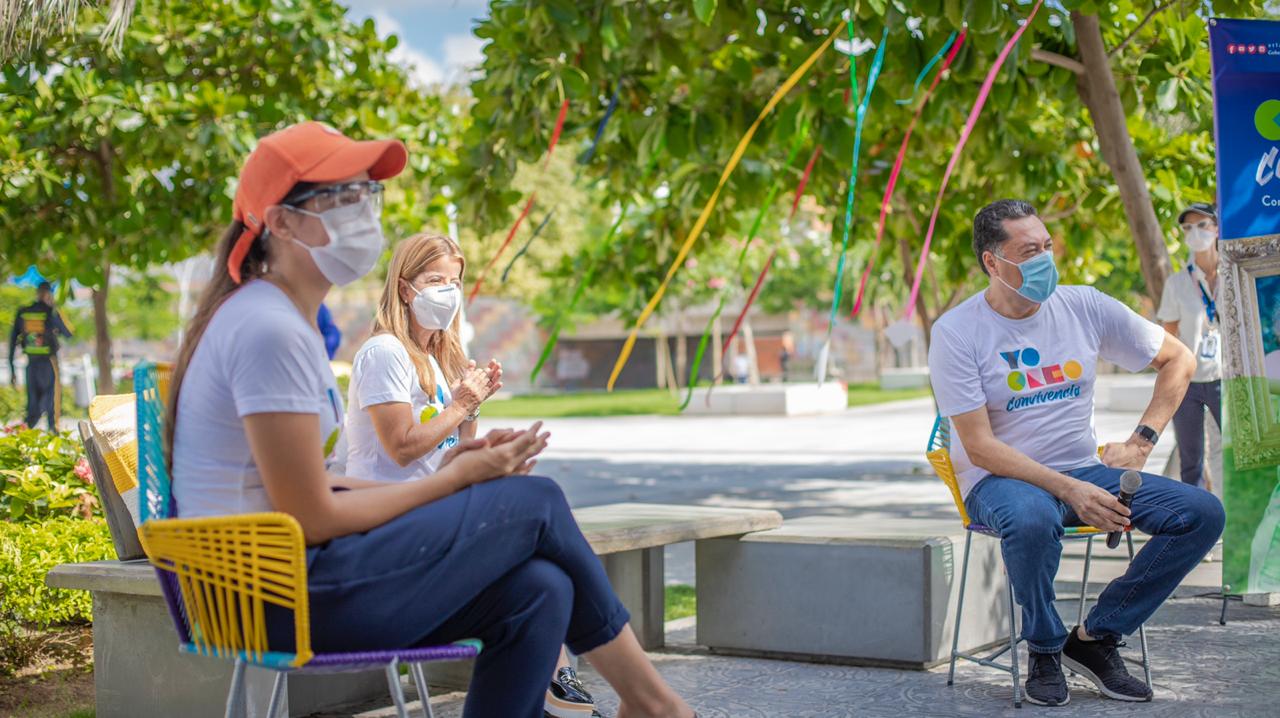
<point>849,590</point>
<point>139,671</point>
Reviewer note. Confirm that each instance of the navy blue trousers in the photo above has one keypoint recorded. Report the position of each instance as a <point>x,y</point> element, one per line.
<point>42,391</point>
<point>502,561</point>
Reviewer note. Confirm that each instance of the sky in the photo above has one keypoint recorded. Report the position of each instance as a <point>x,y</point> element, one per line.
<point>436,40</point>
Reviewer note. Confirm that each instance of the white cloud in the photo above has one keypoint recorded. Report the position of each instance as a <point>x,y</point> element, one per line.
<point>462,55</point>
<point>422,69</point>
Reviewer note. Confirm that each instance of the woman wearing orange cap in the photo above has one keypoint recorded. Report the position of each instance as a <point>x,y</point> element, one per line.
<point>475,550</point>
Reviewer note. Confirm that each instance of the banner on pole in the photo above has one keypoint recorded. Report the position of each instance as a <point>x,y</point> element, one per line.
<point>1246,115</point>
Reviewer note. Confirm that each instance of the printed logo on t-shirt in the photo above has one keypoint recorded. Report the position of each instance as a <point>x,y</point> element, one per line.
<point>430,412</point>
<point>1049,382</point>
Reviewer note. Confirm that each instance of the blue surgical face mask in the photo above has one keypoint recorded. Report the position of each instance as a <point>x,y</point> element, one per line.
<point>1039,277</point>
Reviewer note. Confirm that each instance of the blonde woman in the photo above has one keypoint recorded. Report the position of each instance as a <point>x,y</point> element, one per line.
<point>478,549</point>
<point>414,395</point>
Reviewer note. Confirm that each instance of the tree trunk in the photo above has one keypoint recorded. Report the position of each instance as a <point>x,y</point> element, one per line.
<point>102,333</point>
<point>1097,88</point>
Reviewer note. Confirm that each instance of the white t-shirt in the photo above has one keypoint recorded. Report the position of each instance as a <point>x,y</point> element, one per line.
<point>258,355</point>
<point>1183,303</point>
<point>1035,375</point>
<point>382,373</point>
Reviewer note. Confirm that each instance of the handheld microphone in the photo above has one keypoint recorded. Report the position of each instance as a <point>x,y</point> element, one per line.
<point>1130,481</point>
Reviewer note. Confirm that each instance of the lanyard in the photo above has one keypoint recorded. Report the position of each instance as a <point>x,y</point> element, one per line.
<point>1210,308</point>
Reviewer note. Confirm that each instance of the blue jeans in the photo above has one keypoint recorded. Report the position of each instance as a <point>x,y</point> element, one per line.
<point>502,561</point>
<point>1183,521</point>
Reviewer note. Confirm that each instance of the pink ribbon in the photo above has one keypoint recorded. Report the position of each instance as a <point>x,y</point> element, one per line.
<point>897,168</point>
<point>955,154</point>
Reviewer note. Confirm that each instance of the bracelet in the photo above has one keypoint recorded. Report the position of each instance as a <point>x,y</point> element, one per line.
<point>473,415</point>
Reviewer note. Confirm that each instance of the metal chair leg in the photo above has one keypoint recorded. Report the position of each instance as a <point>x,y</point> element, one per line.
<point>397,693</point>
<point>1013,643</point>
<point>424,692</point>
<point>1084,582</point>
<point>1142,630</point>
<point>964,577</point>
<point>235,692</point>
<point>279,696</point>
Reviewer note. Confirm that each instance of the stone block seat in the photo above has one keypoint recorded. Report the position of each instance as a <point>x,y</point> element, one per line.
<point>139,671</point>
<point>848,590</point>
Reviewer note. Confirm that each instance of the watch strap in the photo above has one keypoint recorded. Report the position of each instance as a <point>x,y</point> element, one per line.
<point>1147,433</point>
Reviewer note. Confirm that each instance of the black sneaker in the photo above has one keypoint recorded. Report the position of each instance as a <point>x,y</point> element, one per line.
<point>1046,686</point>
<point>1100,662</point>
<point>568,698</point>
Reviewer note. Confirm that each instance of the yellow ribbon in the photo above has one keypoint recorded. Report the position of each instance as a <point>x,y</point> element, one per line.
<point>711,203</point>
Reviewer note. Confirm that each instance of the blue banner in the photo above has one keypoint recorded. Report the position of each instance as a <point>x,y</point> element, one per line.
<point>1246,125</point>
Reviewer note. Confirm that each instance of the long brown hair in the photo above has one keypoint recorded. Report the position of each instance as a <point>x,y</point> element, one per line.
<point>395,317</point>
<point>220,287</point>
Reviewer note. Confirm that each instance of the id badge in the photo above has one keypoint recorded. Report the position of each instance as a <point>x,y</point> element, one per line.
<point>1209,345</point>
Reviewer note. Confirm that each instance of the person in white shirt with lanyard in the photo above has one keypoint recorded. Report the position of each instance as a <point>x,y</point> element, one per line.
<point>1188,310</point>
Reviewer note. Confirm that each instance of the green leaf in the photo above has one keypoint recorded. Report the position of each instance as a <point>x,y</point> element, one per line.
<point>1167,94</point>
<point>705,10</point>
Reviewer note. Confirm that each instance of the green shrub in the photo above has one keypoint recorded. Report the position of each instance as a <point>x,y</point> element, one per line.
<point>44,475</point>
<point>29,550</point>
<point>13,404</point>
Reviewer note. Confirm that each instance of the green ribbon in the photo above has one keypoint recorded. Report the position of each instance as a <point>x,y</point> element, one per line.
<point>796,144</point>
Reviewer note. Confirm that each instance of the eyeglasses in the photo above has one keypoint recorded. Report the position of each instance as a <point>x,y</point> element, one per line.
<point>341,195</point>
<point>1202,224</point>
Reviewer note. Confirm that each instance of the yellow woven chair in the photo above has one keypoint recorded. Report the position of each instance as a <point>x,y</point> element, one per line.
<point>219,574</point>
<point>939,456</point>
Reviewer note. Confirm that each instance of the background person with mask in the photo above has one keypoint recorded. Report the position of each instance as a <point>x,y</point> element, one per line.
<point>36,328</point>
<point>1188,310</point>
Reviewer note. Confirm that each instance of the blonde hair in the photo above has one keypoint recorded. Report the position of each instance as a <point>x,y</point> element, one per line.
<point>395,317</point>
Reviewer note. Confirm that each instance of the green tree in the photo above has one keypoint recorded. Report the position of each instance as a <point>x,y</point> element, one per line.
<point>130,159</point>
<point>1107,147</point>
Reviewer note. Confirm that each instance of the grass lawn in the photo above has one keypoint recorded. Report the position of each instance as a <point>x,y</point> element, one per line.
<point>681,601</point>
<point>633,402</point>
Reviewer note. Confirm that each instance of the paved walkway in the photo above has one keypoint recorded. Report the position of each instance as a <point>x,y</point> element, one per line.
<point>1199,669</point>
<point>868,462</point>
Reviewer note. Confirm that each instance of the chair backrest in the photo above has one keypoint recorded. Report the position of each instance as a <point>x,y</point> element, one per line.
<point>217,573</point>
<point>155,495</point>
<point>117,509</point>
<point>939,454</point>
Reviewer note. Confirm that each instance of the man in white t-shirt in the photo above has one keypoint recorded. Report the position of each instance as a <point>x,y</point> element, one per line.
<point>1013,367</point>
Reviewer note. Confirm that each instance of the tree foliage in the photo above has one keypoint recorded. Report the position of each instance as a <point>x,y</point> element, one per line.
<point>693,75</point>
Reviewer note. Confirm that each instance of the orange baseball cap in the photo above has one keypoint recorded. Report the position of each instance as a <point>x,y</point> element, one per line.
<point>305,152</point>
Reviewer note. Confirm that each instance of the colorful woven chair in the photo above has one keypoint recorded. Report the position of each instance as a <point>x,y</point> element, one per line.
<point>939,455</point>
<point>218,574</point>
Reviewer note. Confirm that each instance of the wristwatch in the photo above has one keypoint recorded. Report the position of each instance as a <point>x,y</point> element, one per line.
<point>1146,432</point>
<point>474,415</point>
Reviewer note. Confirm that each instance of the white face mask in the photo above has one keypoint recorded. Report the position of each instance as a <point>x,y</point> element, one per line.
<point>1200,238</point>
<point>435,307</point>
<point>355,241</point>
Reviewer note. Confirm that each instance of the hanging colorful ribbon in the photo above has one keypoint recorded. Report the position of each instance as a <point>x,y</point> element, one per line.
<point>897,164</point>
<point>872,75</point>
<point>696,367</point>
<point>593,263</point>
<point>804,180</point>
<point>591,151</point>
<point>929,66</point>
<point>955,154</point>
<point>711,202</point>
<point>555,137</point>
<point>475,288</point>
<point>525,248</point>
